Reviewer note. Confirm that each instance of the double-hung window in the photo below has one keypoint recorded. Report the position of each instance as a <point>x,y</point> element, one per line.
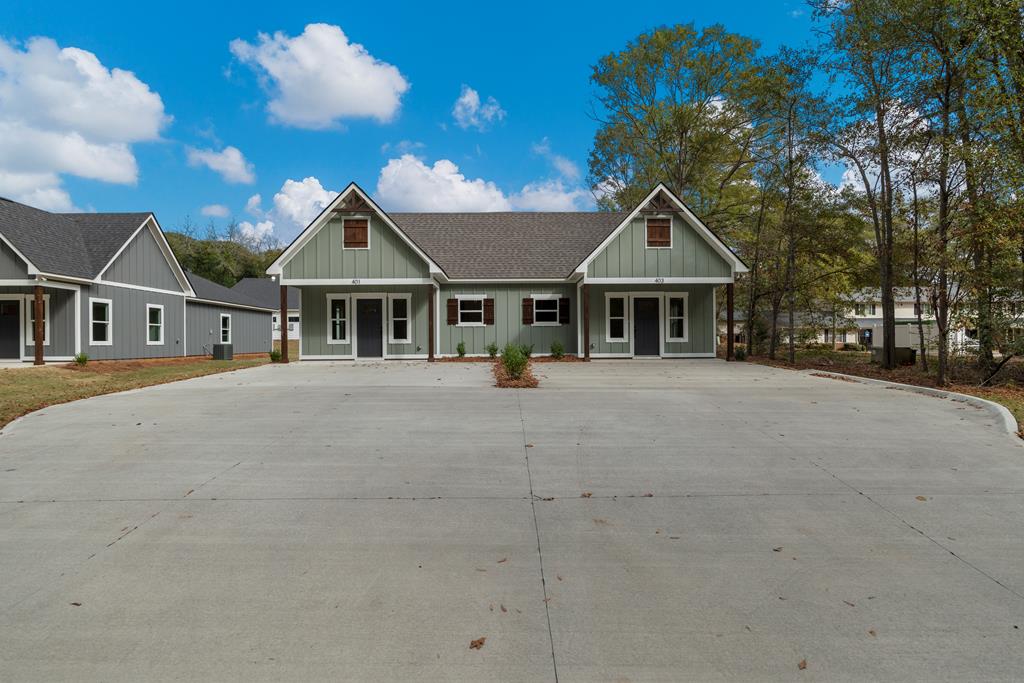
<point>101,322</point>
<point>225,328</point>
<point>154,325</point>
<point>399,318</point>
<point>337,309</point>
<point>616,330</point>
<point>471,311</point>
<point>545,310</point>
<point>675,318</point>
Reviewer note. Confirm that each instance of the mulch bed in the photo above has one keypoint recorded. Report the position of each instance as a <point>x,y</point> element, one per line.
<point>551,359</point>
<point>502,379</point>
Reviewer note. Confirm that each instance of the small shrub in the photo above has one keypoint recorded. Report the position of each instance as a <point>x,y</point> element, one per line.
<point>82,359</point>
<point>514,360</point>
<point>492,350</point>
<point>557,350</point>
<point>740,354</point>
<point>526,350</point>
<point>461,349</point>
<point>275,355</point>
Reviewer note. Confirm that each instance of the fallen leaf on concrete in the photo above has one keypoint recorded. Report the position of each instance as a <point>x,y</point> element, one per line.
<point>601,521</point>
<point>586,494</point>
<point>802,665</point>
<point>76,604</point>
<point>503,610</point>
<point>648,495</point>
<point>548,499</point>
<point>491,607</point>
<point>477,644</point>
<point>921,498</point>
<point>849,603</point>
<point>529,445</point>
<point>674,538</point>
<point>777,550</point>
<point>871,632</point>
<point>504,559</point>
<point>559,577</point>
<point>189,492</point>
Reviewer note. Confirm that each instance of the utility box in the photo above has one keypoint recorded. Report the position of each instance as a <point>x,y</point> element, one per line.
<point>222,352</point>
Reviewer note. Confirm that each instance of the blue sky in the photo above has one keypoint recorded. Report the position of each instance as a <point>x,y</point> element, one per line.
<point>305,104</point>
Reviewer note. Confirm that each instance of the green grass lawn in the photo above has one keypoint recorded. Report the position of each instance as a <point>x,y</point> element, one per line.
<point>23,390</point>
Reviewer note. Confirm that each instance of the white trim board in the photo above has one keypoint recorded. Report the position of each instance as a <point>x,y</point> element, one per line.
<point>165,249</point>
<point>725,252</point>
<point>277,267</point>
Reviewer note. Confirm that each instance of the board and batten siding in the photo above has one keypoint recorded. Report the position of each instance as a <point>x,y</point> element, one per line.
<point>628,256</point>
<point>129,323</point>
<point>61,341</point>
<point>508,324</point>
<point>315,317</point>
<point>11,265</point>
<point>701,337</point>
<point>388,256</point>
<point>143,263</point>
<point>250,330</point>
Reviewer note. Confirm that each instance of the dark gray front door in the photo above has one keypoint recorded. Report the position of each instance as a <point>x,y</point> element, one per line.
<point>645,327</point>
<point>9,341</point>
<point>369,328</point>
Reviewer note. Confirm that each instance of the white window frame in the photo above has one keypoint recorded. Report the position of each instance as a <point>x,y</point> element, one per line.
<point>470,297</point>
<point>671,229</point>
<point>348,319</point>
<point>685,296</point>
<point>608,318</point>
<point>558,309</point>
<point>30,310</point>
<point>150,307</point>
<point>109,322</point>
<point>391,319</point>
<point>220,334</point>
<point>368,231</point>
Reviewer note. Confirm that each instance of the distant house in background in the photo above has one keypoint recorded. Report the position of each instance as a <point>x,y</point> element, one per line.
<point>108,285</point>
<point>267,291</point>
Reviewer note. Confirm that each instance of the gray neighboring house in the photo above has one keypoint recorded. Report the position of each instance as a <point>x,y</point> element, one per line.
<point>267,292</point>
<point>219,314</point>
<point>107,285</point>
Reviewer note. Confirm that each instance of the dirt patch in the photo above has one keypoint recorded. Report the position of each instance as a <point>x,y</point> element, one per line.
<point>564,359</point>
<point>503,380</point>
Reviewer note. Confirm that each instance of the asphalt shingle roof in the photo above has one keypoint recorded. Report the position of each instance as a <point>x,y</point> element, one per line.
<point>211,291</point>
<point>266,291</point>
<point>508,244</point>
<point>72,244</point>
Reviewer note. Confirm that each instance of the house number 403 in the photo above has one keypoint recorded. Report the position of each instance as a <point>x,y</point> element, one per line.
<point>659,280</point>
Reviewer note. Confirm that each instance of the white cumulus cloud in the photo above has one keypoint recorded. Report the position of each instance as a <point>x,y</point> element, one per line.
<point>318,78</point>
<point>230,163</point>
<point>215,211</point>
<point>408,184</point>
<point>256,233</point>
<point>296,204</point>
<point>470,112</point>
<point>63,112</point>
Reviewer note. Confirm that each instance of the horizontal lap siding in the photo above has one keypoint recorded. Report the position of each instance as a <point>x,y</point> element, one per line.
<point>62,320</point>
<point>628,256</point>
<point>129,330</point>
<point>143,263</point>
<point>701,312</point>
<point>315,319</point>
<point>388,256</point>
<point>250,330</point>
<point>508,319</point>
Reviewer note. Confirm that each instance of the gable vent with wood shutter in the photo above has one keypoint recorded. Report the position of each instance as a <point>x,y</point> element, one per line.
<point>527,311</point>
<point>563,311</point>
<point>453,311</point>
<point>659,232</point>
<point>356,233</point>
<point>488,311</point>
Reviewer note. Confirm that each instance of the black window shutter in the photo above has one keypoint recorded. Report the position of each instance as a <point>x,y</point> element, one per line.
<point>488,311</point>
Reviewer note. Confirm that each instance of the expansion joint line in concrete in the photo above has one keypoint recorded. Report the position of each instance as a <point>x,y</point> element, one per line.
<point>536,530</point>
<point>919,531</point>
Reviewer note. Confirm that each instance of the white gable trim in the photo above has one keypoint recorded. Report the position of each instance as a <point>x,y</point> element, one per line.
<point>324,218</point>
<point>697,224</point>
<point>30,267</point>
<point>165,249</point>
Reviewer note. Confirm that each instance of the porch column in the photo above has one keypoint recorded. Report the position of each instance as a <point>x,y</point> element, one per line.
<point>431,322</point>
<point>586,322</point>
<point>284,323</point>
<point>730,351</point>
<point>39,327</point>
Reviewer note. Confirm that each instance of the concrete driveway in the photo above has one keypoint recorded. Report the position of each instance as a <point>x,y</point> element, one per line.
<point>630,521</point>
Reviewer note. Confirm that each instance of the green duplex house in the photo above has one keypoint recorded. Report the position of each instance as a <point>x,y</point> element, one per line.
<point>415,285</point>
